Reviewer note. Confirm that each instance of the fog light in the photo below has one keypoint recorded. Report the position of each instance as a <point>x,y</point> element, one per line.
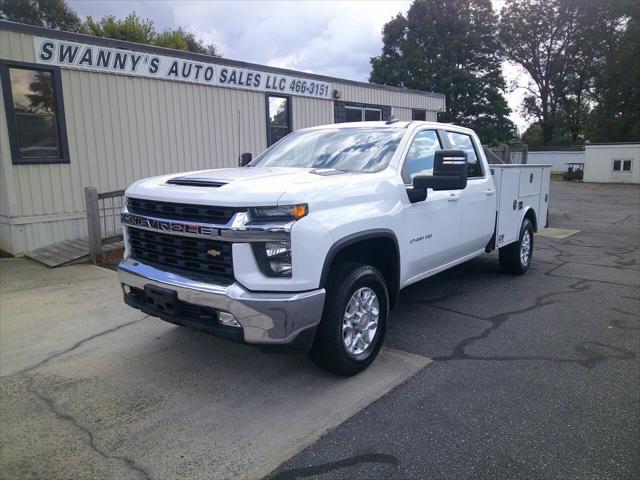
<point>278,258</point>
<point>126,289</point>
<point>225,318</point>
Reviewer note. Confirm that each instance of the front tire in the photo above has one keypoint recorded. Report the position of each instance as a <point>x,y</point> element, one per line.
<point>515,258</point>
<point>354,320</point>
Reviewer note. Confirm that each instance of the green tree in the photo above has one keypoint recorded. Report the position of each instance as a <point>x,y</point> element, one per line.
<point>41,13</point>
<point>532,135</point>
<point>540,36</point>
<point>616,114</point>
<point>181,39</point>
<point>139,30</point>
<point>449,47</point>
<point>130,29</point>
<point>562,45</point>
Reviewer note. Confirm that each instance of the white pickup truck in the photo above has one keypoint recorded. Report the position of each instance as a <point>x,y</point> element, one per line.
<point>306,247</point>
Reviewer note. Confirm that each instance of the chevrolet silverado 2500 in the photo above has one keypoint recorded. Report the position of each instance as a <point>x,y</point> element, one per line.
<point>307,246</point>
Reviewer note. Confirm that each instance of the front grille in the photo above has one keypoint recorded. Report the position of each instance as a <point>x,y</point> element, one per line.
<point>181,211</point>
<point>175,253</point>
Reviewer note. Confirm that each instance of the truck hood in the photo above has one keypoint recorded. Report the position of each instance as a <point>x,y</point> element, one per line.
<point>246,187</point>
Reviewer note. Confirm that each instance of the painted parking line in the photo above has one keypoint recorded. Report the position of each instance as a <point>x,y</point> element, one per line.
<point>556,232</point>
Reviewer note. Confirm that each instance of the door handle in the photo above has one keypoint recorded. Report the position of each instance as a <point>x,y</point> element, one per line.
<point>453,197</point>
<point>490,192</point>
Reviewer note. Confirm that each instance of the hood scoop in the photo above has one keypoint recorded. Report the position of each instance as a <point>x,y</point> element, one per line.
<point>326,172</point>
<point>189,181</point>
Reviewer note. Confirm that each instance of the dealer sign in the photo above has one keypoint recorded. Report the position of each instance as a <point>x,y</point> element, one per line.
<point>139,64</point>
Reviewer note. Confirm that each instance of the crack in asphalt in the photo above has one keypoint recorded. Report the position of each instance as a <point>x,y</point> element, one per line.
<point>71,348</point>
<point>624,312</point>
<point>622,220</point>
<point>496,321</point>
<point>623,324</point>
<point>618,266</point>
<point>593,356</point>
<point>593,352</point>
<point>596,281</point>
<point>67,416</point>
<point>622,261</point>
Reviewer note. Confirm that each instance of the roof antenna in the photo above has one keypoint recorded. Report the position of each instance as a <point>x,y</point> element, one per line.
<point>392,119</point>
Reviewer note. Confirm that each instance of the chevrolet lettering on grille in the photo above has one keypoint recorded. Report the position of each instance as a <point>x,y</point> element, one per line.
<point>168,226</point>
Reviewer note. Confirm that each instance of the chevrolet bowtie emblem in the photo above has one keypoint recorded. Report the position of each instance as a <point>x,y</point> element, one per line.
<point>213,252</point>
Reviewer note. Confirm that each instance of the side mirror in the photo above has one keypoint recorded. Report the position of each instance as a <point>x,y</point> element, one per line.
<point>449,172</point>
<point>245,159</point>
<point>416,194</point>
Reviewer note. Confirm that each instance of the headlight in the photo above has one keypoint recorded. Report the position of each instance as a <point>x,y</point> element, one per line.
<point>284,212</point>
<point>273,258</point>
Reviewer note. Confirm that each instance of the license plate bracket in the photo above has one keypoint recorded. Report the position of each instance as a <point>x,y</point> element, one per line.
<point>162,299</point>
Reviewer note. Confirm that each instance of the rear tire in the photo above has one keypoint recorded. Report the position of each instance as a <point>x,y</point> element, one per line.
<point>515,258</point>
<point>354,320</point>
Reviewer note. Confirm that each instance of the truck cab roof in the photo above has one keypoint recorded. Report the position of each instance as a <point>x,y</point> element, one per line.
<point>394,125</point>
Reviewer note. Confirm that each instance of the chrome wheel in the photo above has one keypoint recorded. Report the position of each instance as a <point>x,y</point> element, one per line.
<point>360,321</point>
<point>525,248</point>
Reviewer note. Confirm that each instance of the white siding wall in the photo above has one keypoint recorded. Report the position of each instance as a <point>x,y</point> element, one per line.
<point>406,114</point>
<point>19,238</point>
<point>123,128</point>
<point>599,159</point>
<point>7,195</point>
<point>557,160</point>
<point>309,112</point>
<point>396,98</point>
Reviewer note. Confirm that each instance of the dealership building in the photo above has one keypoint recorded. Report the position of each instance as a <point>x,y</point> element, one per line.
<point>88,111</point>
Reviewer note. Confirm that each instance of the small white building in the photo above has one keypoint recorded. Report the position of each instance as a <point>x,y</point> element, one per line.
<point>612,163</point>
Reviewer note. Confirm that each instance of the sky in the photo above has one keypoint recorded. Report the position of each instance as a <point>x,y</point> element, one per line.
<point>334,38</point>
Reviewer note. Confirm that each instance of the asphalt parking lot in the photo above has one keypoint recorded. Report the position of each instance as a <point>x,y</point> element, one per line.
<point>532,377</point>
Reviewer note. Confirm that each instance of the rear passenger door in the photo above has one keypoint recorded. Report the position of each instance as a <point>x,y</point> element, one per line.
<point>478,200</point>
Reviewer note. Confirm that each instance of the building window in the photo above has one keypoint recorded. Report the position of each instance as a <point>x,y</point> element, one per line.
<point>362,114</point>
<point>419,115</point>
<point>278,118</point>
<point>623,165</point>
<point>35,114</point>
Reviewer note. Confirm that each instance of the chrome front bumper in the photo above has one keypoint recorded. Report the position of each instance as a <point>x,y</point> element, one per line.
<point>265,318</point>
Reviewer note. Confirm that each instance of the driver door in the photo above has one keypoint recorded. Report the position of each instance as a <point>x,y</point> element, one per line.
<point>433,225</point>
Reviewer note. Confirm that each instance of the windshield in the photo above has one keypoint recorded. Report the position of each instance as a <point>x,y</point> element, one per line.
<point>351,149</point>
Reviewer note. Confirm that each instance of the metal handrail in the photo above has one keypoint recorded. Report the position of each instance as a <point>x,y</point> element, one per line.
<point>103,219</point>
